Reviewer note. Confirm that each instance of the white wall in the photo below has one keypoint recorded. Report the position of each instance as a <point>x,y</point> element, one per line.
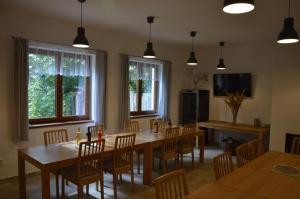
<point>21,24</point>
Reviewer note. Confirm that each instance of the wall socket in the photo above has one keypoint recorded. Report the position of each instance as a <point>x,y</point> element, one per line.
<point>1,163</point>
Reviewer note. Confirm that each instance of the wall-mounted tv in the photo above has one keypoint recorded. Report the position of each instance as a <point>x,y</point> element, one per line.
<point>232,83</point>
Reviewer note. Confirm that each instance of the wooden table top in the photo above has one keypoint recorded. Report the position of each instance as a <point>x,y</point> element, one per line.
<point>255,180</point>
<point>47,155</point>
<point>221,125</point>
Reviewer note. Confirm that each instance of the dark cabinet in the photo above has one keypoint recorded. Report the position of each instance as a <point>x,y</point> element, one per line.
<point>194,106</point>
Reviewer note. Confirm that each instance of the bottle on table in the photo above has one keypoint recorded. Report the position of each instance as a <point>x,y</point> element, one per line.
<point>78,136</point>
<point>100,133</point>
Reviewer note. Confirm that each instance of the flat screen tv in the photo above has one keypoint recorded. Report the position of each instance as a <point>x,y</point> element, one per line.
<point>232,83</point>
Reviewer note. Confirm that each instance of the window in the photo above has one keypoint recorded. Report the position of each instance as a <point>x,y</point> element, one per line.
<point>59,86</point>
<point>143,87</point>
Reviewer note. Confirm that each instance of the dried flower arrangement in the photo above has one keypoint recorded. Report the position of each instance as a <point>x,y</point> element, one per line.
<point>234,101</point>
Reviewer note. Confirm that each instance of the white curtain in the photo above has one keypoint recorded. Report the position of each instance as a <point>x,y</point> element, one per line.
<point>164,90</point>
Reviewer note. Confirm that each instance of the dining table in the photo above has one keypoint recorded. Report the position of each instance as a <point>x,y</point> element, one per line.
<point>61,155</point>
<point>256,180</point>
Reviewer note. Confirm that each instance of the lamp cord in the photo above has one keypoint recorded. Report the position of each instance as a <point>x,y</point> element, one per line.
<point>289,8</point>
<point>81,15</point>
<point>150,32</point>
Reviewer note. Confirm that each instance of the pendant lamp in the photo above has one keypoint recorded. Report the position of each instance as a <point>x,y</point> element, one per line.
<point>80,40</point>
<point>192,61</point>
<point>238,6</point>
<point>288,35</point>
<point>221,65</point>
<point>149,52</point>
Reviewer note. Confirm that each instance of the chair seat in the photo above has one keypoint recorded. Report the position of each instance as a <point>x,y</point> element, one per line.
<point>122,164</point>
<point>186,149</point>
<point>70,173</point>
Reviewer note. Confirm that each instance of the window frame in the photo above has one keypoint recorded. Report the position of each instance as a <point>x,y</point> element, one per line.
<point>139,111</point>
<point>59,117</point>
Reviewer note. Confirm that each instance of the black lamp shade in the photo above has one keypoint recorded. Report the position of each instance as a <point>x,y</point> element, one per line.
<point>238,6</point>
<point>192,61</point>
<point>81,41</point>
<point>221,65</point>
<point>288,34</point>
<point>149,52</point>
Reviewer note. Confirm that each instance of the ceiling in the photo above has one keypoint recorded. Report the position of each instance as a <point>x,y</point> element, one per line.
<point>175,18</point>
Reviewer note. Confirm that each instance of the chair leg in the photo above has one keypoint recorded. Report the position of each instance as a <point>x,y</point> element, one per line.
<point>79,191</point>
<point>163,162</point>
<point>87,189</point>
<point>121,178</point>
<point>193,159</point>
<point>132,180</point>
<point>62,187</point>
<point>181,158</point>
<point>57,185</point>
<point>115,179</point>
<point>138,163</point>
<point>97,185</point>
<point>102,186</point>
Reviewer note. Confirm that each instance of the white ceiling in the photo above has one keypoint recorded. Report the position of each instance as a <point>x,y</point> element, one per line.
<point>175,18</point>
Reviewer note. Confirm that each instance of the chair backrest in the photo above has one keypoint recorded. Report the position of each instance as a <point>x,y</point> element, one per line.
<point>90,158</point>
<point>132,126</point>
<point>243,154</point>
<point>171,140</point>
<point>222,165</point>
<point>161,124</point>
<point>296,145</point>
<point>94,129</point>
<point>123,153</point>
<point>55,136</point>
<point>188,137</point>
<point>171,186</point>
<point>257,148</point>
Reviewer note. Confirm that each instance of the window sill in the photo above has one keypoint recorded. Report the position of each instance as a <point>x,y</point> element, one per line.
<point>143,116</point>
<point>33,126</point>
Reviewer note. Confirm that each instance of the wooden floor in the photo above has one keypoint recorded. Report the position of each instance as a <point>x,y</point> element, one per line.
<point>201,175</point>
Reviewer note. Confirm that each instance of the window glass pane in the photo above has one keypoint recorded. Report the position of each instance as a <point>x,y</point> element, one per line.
<point>74,95</point>
<point>74,85</point>
<point>133,87</point>
<point>41,87</point>
<point>148,95</point>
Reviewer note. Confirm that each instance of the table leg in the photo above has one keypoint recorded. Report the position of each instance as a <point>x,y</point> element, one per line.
<point>22,179</point>
<point>45,183</point>
<point>147,176</point>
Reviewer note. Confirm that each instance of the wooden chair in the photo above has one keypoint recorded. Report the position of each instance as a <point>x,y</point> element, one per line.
<point>256,148</point>
<point>168,150</point>
<point>132,126</point>
<point>171,186</point>
<point>89,168</point>
<point>187,143</point>
<point>161,124</point>
<point>55,137</point>
<point>122,160</point>
<point>296,145</point>
<point>243,154</point>
<point>94,130</point>
<point>222,165</point>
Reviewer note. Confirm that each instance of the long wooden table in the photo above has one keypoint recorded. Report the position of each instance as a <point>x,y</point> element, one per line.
<point>239,128</point>
<point>255,180</point>
<point>47,158</point>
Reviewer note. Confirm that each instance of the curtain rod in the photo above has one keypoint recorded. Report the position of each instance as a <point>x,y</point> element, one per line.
<point>56,43</point>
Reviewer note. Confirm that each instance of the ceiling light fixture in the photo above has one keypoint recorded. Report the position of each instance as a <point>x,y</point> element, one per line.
<point>288,35</point>
<point>221,65</point>
<point>238,6</point>
<point>149,52</point>
<point>192,61</point>
<point>80,40</point>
